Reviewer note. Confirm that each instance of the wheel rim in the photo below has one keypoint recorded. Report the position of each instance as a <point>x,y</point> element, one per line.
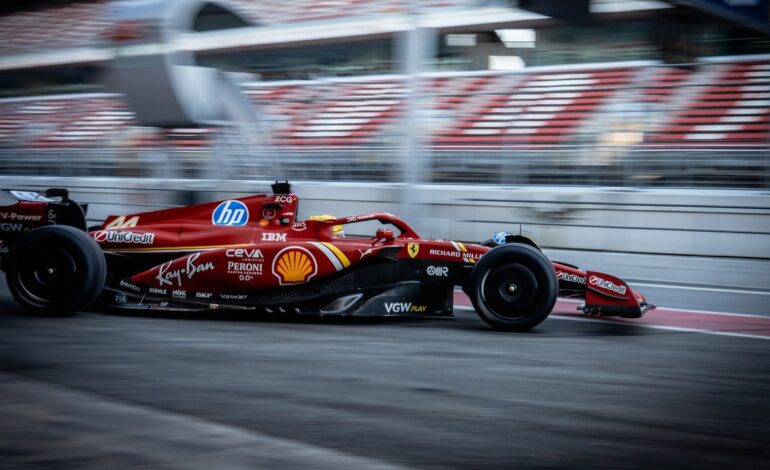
<point>47,274</point>
<point>509,291</point>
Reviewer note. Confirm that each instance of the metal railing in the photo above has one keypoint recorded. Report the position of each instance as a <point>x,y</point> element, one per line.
<point>572,166</point>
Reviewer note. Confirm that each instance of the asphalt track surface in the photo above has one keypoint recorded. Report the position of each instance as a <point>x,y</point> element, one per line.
<point>101,390</point>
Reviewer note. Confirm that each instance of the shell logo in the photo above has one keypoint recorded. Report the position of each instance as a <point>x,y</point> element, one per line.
<point>294,265</point>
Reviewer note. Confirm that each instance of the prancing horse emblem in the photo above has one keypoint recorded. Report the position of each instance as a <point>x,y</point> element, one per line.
<point>413,249</point>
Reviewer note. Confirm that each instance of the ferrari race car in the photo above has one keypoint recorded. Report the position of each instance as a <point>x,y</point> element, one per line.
<point>253,254</point>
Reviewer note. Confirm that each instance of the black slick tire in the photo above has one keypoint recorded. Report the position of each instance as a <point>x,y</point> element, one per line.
<point>56,270</point>
<point>513,287</point>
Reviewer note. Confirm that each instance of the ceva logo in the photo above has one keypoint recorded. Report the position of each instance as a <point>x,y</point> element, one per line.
<point>230,213</point>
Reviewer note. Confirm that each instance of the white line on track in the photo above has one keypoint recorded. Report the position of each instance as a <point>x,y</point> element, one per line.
<point>709,312</point>
<point>704,289</point>
<point>686,310</point>
<point>647,325</point>
<point>660,307</point>
<point>661,327</point>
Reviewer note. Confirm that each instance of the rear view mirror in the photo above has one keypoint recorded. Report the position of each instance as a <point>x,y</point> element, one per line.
<point>384,233</point>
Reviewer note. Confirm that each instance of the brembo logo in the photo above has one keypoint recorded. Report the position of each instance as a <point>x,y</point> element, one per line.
<point>230,213</point>
<point>569,277</point>
<point>605,284</point>
<point>404,307</point>
<point>114,236</point>
<point>130,286</point>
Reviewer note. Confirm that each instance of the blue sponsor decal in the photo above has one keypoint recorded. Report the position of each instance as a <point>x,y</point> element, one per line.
<point>500,237</point>
<point>230,213</point>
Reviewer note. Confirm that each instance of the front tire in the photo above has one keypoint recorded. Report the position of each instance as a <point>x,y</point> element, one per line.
<point>56,270</point>
<point>513,287</point>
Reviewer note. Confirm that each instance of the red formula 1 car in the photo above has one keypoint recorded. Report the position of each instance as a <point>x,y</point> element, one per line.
<point>252,254</point>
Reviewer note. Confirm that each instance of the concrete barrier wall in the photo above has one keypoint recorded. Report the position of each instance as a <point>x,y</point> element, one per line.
<point>654,221</point>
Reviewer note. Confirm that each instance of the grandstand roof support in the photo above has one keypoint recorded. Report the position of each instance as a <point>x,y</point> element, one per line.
<point>418,46</point>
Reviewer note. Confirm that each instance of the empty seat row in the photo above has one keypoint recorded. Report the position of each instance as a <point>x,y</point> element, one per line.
<point>720,104</point>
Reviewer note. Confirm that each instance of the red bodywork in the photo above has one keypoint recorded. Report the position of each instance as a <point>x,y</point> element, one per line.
<point>255,243</point>
<point>22,217</point>
<point>25,215</point>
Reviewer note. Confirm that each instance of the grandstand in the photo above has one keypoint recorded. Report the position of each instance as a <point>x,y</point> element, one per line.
<point>614,115</point>
<point>725,104</point>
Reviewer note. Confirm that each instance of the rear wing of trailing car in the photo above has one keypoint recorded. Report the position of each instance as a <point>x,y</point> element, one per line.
<point>22,211</point>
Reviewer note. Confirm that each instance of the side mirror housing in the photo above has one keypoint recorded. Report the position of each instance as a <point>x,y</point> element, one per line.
<point>384,233</point>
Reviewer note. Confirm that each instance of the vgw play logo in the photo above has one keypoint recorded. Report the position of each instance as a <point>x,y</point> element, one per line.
<point>230,213</point>
<point>404,307</point>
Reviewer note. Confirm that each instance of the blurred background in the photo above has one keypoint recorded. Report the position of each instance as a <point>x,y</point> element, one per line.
<point>626,136</point>
<point>618,126</point>
<point>602,92</point>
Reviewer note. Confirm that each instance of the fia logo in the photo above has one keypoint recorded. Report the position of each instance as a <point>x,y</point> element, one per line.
<point>412,249</point>
<point>230,213</point>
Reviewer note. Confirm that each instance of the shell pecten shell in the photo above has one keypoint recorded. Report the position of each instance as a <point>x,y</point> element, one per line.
<point>294,265</point>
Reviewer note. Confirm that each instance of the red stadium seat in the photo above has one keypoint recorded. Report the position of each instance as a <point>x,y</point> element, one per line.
<point>732,109</point>
<point>721,105</point>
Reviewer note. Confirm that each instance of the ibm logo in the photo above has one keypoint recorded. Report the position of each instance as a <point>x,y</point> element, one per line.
<point>230,213</point>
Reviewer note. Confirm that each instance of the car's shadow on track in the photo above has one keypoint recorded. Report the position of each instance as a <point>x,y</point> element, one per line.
<point>463,321</point>
<point>252,317</point>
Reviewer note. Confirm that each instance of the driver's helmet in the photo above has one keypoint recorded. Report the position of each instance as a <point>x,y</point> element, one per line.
<point>336,230</point>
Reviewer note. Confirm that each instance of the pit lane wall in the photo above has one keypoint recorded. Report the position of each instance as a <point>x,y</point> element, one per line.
<point>712,223</point>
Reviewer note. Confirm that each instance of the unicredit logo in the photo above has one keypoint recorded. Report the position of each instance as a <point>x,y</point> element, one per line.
<point>569,277</point>
<point>605,284</point>
<point>114,236</point>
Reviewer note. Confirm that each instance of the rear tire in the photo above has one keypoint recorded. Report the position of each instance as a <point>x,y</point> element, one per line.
<point>513,287</point>
<point>56,270</point>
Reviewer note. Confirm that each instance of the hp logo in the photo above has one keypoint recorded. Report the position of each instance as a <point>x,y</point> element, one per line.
<point>232,213</point>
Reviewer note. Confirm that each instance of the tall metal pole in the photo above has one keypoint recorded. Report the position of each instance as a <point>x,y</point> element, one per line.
<point>418,45</point>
